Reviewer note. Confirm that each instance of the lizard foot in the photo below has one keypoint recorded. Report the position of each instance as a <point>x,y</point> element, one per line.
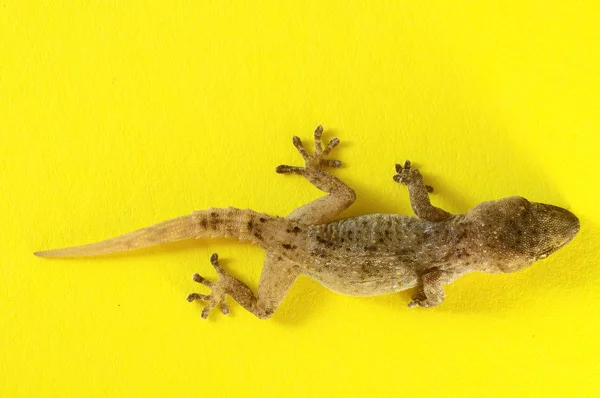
<point>420,300</point>
<point>408,175</point>
<point>219,289</point>
<point>317,160</point>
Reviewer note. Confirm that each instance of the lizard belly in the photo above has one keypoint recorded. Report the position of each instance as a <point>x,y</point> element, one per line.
<point>363,278</point>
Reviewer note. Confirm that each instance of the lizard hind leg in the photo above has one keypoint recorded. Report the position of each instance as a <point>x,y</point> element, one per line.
<point>277,277</point>
<point>340,195</point>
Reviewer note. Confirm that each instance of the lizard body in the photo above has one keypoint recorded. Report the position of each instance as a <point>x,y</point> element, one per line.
<point>361,256</point>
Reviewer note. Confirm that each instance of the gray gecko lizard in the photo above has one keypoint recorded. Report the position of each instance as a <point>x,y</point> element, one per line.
<point>367,255</point>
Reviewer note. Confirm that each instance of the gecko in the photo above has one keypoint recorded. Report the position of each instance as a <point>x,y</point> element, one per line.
<point>366,255</point>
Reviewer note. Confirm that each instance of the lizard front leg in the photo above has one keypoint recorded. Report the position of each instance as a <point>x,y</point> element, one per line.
<point>340,195</point>
<point>419,193</point>
<point>276,278</point>
<point>430,292</point>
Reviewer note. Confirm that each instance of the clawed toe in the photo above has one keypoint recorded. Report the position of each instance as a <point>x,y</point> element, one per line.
<point>197,296</point>
<point>224,307</point>
<point>400,168</point>
<point>285,169</point>
<point>200,279</point>
<point>298,144</point>
<point>332,144</point>
<point>331,163</point>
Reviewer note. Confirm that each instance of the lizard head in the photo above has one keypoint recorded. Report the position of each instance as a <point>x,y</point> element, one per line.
<point>517,232</point>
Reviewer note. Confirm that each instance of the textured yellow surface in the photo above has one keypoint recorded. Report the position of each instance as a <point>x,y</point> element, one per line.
<point>119,115</point>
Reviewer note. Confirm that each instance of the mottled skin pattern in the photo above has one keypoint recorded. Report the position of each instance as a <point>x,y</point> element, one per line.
<point>362,256</point>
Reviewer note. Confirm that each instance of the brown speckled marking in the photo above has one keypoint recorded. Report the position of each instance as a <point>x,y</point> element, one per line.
<point>365,255</point>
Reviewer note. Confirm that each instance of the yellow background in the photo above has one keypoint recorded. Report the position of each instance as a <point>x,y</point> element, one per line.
<point>116,115</point>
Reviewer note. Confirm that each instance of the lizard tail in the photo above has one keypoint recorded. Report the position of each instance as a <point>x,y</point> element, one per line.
<point>211,223</point>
